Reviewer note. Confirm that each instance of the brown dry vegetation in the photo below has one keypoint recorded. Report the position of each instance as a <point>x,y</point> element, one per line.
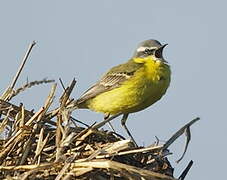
<point>51,144</point>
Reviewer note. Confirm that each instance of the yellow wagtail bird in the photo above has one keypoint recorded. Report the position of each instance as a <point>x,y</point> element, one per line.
<point>132,86</point>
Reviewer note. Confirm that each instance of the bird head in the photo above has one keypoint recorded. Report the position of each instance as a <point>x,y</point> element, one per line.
<point>150,47</point>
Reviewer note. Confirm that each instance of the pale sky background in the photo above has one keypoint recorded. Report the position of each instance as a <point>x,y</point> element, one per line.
<point>83,39</point>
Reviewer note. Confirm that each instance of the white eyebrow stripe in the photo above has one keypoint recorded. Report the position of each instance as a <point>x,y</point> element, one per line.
<point>140,49</point>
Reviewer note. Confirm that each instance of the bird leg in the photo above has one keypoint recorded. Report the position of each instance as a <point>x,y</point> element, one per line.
<point>123,123</point>
<point>106,116</point>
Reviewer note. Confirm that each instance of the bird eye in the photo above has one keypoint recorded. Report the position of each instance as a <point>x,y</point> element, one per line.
<point>158,53</point>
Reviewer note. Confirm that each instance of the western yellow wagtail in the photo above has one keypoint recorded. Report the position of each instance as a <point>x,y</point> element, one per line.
<point>132,86</point>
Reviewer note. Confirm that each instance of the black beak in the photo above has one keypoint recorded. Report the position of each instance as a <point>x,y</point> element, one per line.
<point>158,52</point>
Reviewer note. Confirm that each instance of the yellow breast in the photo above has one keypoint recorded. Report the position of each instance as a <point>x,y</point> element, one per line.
<point>148,85</point>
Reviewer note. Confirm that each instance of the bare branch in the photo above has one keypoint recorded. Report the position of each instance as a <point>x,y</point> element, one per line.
<point>22,64</point>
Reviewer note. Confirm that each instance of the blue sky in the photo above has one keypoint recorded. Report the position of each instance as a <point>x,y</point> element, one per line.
<point>83,39</point>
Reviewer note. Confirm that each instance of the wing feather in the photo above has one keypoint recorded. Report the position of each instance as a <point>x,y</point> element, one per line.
<point>112,79</point>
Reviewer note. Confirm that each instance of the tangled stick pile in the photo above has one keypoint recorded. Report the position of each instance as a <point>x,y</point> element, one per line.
<point>50,144</point>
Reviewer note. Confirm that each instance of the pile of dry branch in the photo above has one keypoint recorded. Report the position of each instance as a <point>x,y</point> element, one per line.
<point>50,144</point>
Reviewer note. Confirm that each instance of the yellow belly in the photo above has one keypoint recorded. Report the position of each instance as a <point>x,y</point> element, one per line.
<point>133,95</point>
